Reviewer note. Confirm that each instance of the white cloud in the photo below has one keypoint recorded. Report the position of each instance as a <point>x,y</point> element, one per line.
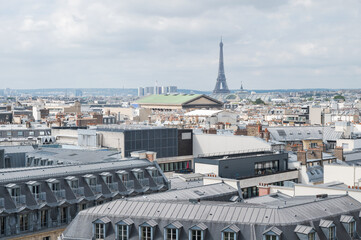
<point>82,43</point>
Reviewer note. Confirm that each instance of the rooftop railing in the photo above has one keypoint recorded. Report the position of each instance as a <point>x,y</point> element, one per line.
<point>19,200</point>
<point>144,182</point>
<point>40,197</point>
<point>60,194</point>
<point>96,188</point>
<point>113,186</point>
<point>78,191</point>
<point>129,184</point>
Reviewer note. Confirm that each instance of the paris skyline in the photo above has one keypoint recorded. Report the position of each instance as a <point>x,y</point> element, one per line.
<point>275,45</point>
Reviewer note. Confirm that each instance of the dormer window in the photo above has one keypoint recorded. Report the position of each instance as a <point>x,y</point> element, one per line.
<point>123,175</point>
<point>349,223</point>
<point>198,232</point>
<point>147,229</point>
<point>73,182</point>
<point>272,233</point>
<point>123,229</point>
<point>90,179</point>
<point>328,228</point>
<point>152,171</point>
<point>172,231</point>
<point>304,232</point>
<point>108,177</point>
<point>15,193</point>
<point>100,228</point>
<point>138,173</point>
<point>230,232</point>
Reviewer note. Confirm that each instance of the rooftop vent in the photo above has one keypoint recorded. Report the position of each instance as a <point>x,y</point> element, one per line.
<point>321,196</point>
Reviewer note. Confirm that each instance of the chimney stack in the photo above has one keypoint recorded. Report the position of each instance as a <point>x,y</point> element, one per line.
<point>301,157</point>
<point>339,153</point>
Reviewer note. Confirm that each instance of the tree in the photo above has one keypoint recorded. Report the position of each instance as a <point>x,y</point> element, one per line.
<point>339,97</point>
<point>259,101</point>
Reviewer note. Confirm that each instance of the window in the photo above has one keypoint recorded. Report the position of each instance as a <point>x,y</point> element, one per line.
<point>229,236</point>
<point>99,231</point>
<point>8,134</point>
<point>24,222</point>
<point>314,145</point>
<point>123,232</point>
<point>108,179</point>
<point>351,228</point>
<point>20,133</point>
<point>311,236</point>
<point>15,192</point>
<point>196,235</point>
<point>55,187</point>
<point>44,218</point>
<point>46,238</point>
<point>171,234</point>
<point>63,214</point>
<point>332,233</point>
<point>92,181</point>
<point>146,233</point>
<point>2,225</point>
<point>83,206</point>
<point>271,237</point>
<point>268,167</point>
<point>31,133</point>
<point>74,184</point>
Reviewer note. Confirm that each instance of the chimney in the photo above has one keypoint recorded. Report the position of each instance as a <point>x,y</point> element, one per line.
<point>301,157</point>
<point>339,153</point>
<point>151,156</point>
<point>263,189</point>
<point>314,153</point>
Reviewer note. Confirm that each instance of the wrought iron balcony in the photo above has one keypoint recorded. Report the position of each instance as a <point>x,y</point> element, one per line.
<point>19,200</point>
<point>144,182</point>
<point>40,197</point>
<point>113,186</point>
<point>159,180</point>
<point>60,194</point>
<point>129,184</point>
<point>96,188</point>
<point>78,191</point>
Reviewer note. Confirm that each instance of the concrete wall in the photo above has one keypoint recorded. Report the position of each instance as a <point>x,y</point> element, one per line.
<point>211,143</point>
<point>315,115</point>
<point>65,136</point>
<point>87,138</point>
<point>53,234</point>
<point>112,140</point>
<point>346,174</point>
<point>205,168</point>
<point>350,143</point>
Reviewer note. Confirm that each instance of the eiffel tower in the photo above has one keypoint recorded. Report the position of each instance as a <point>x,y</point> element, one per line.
<point>221,85</point>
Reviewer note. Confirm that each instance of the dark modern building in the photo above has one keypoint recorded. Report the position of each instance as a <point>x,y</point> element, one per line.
<point>242,165</point>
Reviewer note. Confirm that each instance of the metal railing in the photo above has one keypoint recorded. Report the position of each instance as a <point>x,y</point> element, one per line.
<point>60,194</point>
<point>19,200</point>
<point>144,182</point>
<point>129,184</point>
<point>78,191</point>
<point>258,150</point>
<point>40,197</point>
<point>113,186</point>
<point>2,203</point>
<point>158,180</point>
<point>96,188</point>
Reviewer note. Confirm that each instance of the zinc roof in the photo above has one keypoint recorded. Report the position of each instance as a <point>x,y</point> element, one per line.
<point>172,99</point>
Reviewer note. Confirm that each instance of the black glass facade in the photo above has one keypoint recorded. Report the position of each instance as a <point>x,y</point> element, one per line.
<point>163,141</point>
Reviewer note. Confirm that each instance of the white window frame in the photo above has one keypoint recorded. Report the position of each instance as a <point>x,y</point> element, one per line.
<point>198,230</point>
<point>141,232</point>
<point>118,232</point>
<point>99,232</point>
<point>172,229</point>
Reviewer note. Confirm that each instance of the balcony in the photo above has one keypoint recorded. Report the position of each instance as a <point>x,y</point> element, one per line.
<point>19,200</point>
<point>144,182</point>
<point>159,180</point>
<point>129,185</point>
<point>78,191</point>
<point>60,194</point>
<point>96,188</point>
<point>40,197</point>
<point>113,186</point>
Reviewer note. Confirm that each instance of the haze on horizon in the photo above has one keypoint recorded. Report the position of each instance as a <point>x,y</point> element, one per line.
<point>275,44</point>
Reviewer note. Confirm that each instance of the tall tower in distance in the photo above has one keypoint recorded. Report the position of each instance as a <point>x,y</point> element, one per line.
<point>221,85</point>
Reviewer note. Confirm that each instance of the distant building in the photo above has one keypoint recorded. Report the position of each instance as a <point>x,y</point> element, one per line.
<point>144,91</point>
<point>78,93</point>
<point>178,101</point>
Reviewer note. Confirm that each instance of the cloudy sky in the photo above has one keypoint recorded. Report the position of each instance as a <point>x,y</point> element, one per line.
<point>268,44</point>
